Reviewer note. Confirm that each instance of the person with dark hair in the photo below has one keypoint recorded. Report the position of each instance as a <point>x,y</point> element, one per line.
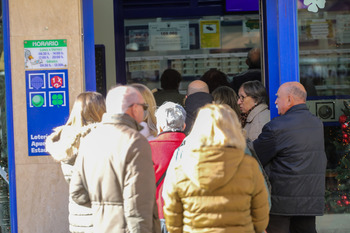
<point>214,78</point>
<point>255,113</point>
<point>169,82</point>
<point>226,95</point>
<point>253,72</point>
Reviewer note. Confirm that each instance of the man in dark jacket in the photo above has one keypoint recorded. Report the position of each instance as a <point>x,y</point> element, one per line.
<point>291,149</point>
<point>197,96</point>
<point>253,72</point>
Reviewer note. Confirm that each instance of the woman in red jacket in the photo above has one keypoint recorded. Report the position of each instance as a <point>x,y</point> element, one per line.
<point>170,124</point>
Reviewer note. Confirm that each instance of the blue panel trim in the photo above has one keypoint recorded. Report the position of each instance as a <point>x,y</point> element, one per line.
<point>288,39</point>
<point>9,117</point>
<point>89,45</point>
<point>119,39</point>
<point>281,46</point>
<point>271,52</point>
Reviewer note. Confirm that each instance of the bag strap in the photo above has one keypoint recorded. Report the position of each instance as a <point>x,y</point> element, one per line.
<point>161,178</point>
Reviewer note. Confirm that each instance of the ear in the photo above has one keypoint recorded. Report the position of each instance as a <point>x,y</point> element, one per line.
<point>291,100</point>
<point>183,128</point>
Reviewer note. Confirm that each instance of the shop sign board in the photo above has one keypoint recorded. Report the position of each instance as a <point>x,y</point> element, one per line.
<point>47,91</point>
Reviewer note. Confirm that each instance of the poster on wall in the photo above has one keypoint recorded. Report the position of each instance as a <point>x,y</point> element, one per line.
<point>319,29</point>
<point>45,54</point>
<point>169,36</point>
<point>210,33</point>
<point>343,29</point>
<point>46,90</point>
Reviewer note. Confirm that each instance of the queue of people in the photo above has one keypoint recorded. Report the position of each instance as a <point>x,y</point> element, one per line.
<point>211,161</point>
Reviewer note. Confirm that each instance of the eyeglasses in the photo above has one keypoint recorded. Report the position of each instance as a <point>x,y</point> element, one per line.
<point>241,97</point>
<point>144,106</point>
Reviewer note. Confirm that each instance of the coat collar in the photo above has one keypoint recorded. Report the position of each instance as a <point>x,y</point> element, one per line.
<point>171,135</point>
<point>122,119</point>
<point>296,108</point>
<point>256,111</point>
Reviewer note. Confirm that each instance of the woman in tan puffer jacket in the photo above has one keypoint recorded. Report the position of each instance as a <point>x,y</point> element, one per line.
<point>63,145</point>
<point>211,184</point>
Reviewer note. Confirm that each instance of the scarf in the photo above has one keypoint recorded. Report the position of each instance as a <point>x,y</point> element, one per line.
<point>244,116</point>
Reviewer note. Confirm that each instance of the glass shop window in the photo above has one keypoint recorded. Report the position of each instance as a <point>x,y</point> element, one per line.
<point>190,46</point>
<point>324,45</point>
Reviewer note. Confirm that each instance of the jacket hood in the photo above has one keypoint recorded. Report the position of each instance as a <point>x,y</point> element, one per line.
<point>63,143</point>
<point>211,167</point>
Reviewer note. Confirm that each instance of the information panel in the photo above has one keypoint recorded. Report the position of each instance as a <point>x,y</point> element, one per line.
<point>46,91</point>
<point>45,54</point>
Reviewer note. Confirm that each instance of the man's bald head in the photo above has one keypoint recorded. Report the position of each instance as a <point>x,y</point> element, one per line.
<point>253,58</point>
<point>297,90</point>
<point>290,94</point>
<point>197,86</point>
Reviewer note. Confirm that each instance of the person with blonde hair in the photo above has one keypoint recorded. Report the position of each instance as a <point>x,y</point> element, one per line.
<point>149,123</point>
<point>63,145</point>
<point>213,186</point>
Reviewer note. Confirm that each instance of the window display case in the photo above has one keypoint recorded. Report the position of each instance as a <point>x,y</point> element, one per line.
<point>219,42</point>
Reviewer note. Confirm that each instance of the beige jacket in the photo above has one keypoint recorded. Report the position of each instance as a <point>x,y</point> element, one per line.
<point>114,174</point>
<point>63,145</point>
<point>215,189</point>
<point>256,120</point>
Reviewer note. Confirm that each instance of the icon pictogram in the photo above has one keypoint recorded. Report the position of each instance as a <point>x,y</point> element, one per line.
<point>37,100</point>
<point>57,99</point>
<point>56,81</point>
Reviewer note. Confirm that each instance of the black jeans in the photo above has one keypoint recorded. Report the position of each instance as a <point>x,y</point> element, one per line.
<point>291,224</point>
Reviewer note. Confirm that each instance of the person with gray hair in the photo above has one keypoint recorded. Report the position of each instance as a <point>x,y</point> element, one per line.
<point>113,170</point>
<point>170,117</point>
<point>255,113</point>
<point>170,124</point>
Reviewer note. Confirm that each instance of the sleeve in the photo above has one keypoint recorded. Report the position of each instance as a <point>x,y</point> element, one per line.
<point>265,145</point>
<point>260,201</point>
<point>173,208</point>
<point>77,186</point>
<point>139,187</point>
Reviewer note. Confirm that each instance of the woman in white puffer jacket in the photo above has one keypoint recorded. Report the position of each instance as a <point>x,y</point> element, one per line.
<point>63,145</point>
